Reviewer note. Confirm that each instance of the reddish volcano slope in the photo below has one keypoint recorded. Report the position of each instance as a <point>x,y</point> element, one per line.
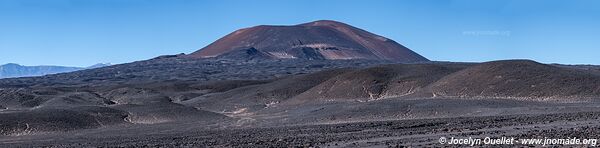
<point>314,40</point>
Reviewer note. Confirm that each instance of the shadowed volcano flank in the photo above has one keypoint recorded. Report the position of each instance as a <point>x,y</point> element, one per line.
<point>315,40</point>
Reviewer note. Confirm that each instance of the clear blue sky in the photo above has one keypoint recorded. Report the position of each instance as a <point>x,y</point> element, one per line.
<point>85,32</point>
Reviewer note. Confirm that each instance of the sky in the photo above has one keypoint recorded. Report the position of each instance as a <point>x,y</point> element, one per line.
<point>86,32</point>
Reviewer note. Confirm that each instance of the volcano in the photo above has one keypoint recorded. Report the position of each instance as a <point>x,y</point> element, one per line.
<point>323,39</point>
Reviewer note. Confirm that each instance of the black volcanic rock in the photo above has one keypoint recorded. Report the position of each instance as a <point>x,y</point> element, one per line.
<point>379,82</point>
<point>520,78</point>
<point>250,53</point>
<point>177,89</point>
<point>241,89</point>
<point>314,40</point>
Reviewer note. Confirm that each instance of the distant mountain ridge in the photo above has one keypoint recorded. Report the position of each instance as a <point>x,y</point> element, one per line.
<point>12,70</point>
<point>99,65</point>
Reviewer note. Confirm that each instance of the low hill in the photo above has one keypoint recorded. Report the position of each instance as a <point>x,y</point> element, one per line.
<point>519,78</point>
<point>386,81</point>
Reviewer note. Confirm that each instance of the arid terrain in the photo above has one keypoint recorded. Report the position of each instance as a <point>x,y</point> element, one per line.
<point>348,93</point>
<point>335,104</point>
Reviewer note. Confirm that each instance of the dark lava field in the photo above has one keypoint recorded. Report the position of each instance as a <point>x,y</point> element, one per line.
<point>317,84</point>
<point>176,101</point>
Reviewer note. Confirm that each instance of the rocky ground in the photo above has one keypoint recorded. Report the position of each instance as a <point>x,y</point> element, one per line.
<point>174,67</point>
<point>411,133</point>
<point>172,101</point>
